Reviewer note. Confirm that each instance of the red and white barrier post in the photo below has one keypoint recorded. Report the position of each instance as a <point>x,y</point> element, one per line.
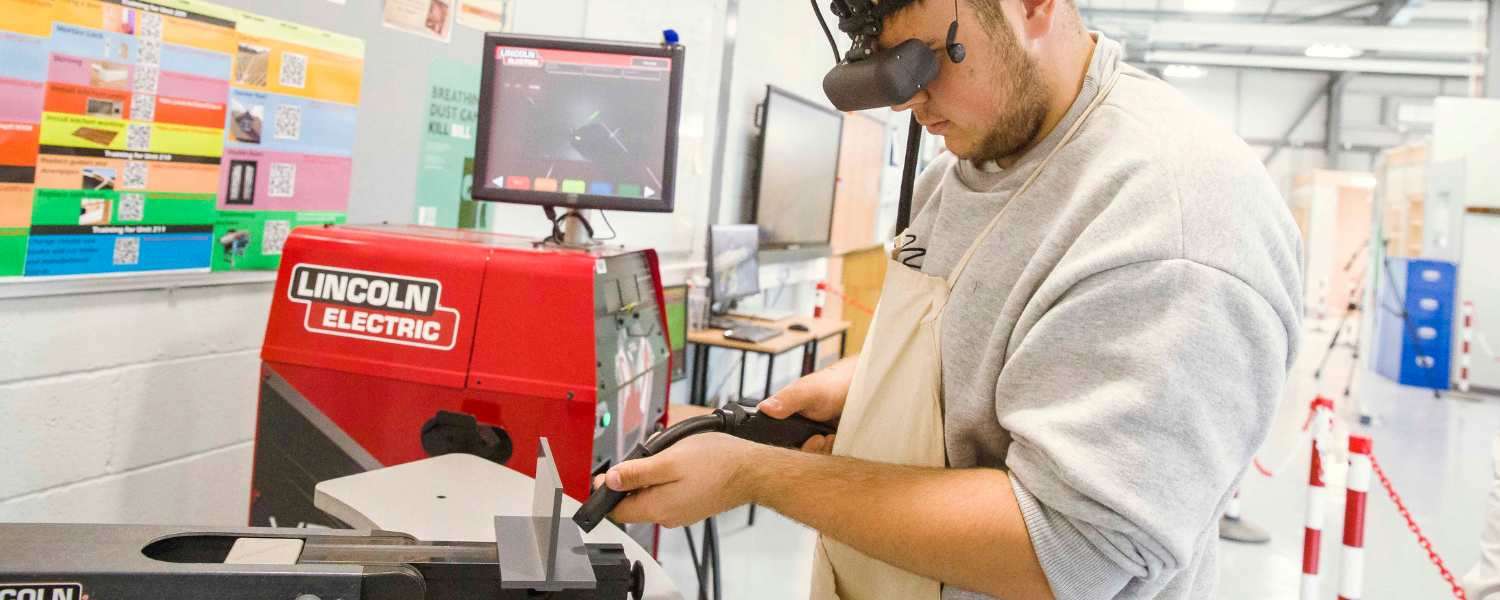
<point>1352,566</point>
<point>1468,339</point>
<point>1312,535</point>
<point>820,298</point>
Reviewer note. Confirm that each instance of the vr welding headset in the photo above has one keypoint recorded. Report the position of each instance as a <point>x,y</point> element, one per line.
<point>867,77</point>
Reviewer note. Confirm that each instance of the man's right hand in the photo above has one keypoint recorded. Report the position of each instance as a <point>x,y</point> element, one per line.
<point>819,396</point>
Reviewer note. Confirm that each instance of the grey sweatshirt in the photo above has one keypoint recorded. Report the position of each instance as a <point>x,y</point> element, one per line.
<point>1120,340</point>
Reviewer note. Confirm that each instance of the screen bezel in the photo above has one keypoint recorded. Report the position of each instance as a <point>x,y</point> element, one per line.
<point>668,194</point>
<point>760,168</point>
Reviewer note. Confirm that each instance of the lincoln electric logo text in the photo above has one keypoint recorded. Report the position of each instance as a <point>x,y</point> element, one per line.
<point>41,591</point>
<point>380,307</point>
<point>518,57</point>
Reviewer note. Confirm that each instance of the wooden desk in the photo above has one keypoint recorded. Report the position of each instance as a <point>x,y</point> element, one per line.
<point>707,339</point>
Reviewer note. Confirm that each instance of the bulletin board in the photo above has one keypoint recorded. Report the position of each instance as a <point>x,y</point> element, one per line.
<point>172,135</point>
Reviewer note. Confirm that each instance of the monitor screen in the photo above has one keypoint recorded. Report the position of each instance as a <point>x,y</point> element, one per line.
<point>733,270</point>
<point>576,123</point>
<point>799,161</point>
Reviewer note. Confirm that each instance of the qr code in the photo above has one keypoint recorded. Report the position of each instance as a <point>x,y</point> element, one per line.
<point>273,237</point>
<point>132,207</point>
<point>283,180</point>
<point>143,107</point>
<point>150,52</point>
<point>135,175</point>
<point>127,251</point>
<point>138,137</point>
<point>293,70</point>
<point>146,77</point>
<point>288,122</point>
<point>150,25</point>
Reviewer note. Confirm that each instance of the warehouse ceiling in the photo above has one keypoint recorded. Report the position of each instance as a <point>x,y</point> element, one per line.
<point>1443,38</point>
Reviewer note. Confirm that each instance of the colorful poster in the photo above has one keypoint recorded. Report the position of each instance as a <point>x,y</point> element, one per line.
<point>128,129</point>
<point>486,15</point>
<point>427,18</point>
<point>23,79</point>
<point>446,170</point>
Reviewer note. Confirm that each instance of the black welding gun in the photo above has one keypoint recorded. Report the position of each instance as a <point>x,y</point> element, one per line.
<point>733,419</point>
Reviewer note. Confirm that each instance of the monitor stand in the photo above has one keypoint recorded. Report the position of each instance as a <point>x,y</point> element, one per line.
<point>577,231</point>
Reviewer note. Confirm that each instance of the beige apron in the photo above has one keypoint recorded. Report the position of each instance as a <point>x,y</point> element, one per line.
<point>894,411</point>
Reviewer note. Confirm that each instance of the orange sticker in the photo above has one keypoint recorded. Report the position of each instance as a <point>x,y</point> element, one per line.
<point>91,101</point>
<point>189,112</point>
<point>295,70</point>
<point>15,204</point>
<point>197,34</point>
<point>18,142</point>
<point>31,17</point>
<point>83,13</point>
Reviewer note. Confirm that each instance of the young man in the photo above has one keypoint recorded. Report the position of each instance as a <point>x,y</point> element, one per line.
<point>1113,287</point>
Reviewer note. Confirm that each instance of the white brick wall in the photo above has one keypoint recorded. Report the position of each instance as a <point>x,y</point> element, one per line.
<point>130,407</point>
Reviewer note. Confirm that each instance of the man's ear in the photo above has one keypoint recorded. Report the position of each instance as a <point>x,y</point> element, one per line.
<point>1038,17</point>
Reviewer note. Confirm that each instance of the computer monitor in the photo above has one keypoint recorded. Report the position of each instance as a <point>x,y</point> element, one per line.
<point>578,124</point>
<point>733,270</point>
<point>799,162</point>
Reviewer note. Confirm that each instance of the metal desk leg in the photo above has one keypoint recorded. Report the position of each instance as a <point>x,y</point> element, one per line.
<point>697,563</point>
<point>699,382</point>
<point>770,370</point>
<point>711,559</point>
<point>810,357</point>
<point>744,356</point>
<point>843,343</point>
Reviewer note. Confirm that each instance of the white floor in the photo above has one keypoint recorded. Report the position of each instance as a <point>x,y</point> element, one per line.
<point>1437,453</point>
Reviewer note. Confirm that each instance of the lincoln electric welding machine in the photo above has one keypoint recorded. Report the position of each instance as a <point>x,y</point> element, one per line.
<point>389,344</point>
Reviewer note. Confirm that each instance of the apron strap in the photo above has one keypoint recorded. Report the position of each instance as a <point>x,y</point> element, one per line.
<point>963,262</point>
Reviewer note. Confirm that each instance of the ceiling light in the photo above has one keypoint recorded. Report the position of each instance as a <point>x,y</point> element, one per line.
<point>1214,6</point>
<point>1332,51</point>
<point>1184,72</point>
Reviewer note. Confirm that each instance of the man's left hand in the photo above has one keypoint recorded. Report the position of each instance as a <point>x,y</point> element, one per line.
<point>698,477</point>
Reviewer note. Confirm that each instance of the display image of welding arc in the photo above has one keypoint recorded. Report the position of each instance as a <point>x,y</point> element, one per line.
<point>608,127</point>
<point>600,143</point>
<point>96,178</point>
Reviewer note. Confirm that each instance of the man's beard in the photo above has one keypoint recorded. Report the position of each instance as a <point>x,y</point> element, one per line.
<point>1024,105</point>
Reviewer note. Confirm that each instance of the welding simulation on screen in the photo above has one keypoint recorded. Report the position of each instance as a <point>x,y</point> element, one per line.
<point>578,124</point>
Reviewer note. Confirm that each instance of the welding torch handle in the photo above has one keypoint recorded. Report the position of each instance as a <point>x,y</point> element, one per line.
<point>790,432</point>
<point>604,500</point>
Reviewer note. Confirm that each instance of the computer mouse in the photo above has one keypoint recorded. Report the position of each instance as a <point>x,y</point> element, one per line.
<point>798,327</point>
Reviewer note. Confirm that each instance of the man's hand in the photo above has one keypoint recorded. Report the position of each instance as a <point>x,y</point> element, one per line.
<point>699,477</point>
<point>819,396</point>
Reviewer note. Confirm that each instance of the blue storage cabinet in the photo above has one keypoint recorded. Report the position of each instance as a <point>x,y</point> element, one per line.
<point>1414,315</point>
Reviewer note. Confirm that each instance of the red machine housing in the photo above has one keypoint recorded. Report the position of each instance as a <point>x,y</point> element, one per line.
<point>373,330</point>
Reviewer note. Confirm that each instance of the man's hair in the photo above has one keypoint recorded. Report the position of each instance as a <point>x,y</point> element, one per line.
<point>991,16</point>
